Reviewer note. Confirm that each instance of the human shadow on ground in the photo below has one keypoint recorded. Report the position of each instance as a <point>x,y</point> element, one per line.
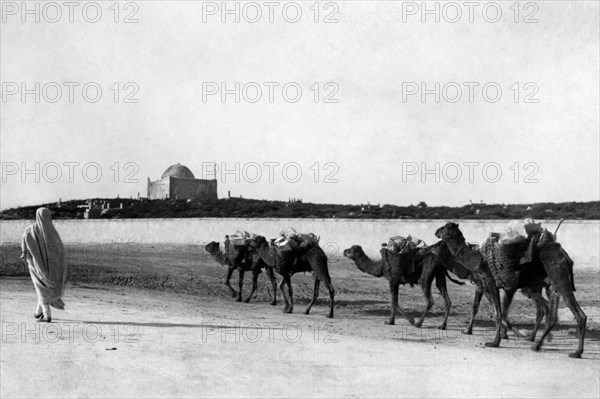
<point>171,325</point>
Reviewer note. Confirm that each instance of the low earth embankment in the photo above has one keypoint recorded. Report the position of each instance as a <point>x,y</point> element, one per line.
<point>579,238</point>
<point>188,269</point>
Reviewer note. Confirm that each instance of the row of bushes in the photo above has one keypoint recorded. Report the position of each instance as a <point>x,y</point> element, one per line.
<point>249,208</point>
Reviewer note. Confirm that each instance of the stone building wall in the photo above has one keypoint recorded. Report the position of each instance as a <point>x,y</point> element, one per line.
<point>158,189</point>
<point>194,189</point>
<point>173,187</point>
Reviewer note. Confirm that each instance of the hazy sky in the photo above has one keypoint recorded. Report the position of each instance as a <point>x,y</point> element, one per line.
<point>371,144</point>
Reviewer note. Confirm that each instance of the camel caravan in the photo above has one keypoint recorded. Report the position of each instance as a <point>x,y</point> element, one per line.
<point>525,257</point>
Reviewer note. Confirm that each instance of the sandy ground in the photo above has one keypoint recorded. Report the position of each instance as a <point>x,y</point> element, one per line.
<point>125,342</point>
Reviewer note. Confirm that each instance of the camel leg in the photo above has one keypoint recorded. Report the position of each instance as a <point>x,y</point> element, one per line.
<point>547,305</point>
<point>393,302</point>
<point>394,286</point>
<point>573,305</point>
<point>440,283</point>
<point>580,317</point>
<point>550,320</point>
<point>229,274</point>
<point>273,283</point>
<point>240,284</point>
<point>284,294</point>
<point>288,282</point>
<point>508,298</point>
<point>255,274</point>
<point>426,287</point>
<point>548,291</point>
<point>315,295</point>
<point>488,296</point>
<point>474,310</point>
<point>505,301</point>
<point>329,286</point>
<point>541,309</point>
<point>559,268</point>
<point>494,293</point>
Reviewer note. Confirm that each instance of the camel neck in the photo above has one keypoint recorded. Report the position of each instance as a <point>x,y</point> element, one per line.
<point>367,265</point>
<point>219,257</point>
<point>455,244</point>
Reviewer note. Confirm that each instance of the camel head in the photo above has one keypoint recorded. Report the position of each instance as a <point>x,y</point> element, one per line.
<point>212,247</point>
<point>353,252</point>
<point>449,230</point>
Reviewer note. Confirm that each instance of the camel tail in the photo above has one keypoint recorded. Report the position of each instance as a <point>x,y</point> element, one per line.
<point>453,280</point>
<point>558,227</point>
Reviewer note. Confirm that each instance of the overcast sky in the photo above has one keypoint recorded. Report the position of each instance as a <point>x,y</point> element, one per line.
<point>369,146</point>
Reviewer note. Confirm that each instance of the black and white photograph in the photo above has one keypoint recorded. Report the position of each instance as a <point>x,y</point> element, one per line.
<point>300,199</point>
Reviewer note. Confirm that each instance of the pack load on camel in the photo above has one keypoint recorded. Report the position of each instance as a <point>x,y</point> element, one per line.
<point>402,253</point>
<point>401,245</point>
<point>240,238</point>
<point>236,248</point>
<point>506,253</point>
<point>290,239</point>
<point>290,245</point>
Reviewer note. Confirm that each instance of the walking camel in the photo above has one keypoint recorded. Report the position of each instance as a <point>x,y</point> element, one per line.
<point>243,259</point>
<point>303,258</point>
<point>441,251</point>
<point>426,269</point>
<point>550,261</point>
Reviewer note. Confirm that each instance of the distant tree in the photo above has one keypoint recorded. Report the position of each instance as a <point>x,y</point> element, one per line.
<point>422,204</point>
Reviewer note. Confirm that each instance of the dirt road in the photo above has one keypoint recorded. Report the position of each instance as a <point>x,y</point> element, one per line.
<point>124,342</point>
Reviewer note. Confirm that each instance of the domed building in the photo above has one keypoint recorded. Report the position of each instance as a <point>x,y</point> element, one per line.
<point>178,170</point>
<point>179,182</point>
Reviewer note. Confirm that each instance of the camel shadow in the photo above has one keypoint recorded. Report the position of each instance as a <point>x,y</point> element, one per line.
<point>561,341</point>
<point>569,331</point>
<point>411,313</point>
<point>359,302</point>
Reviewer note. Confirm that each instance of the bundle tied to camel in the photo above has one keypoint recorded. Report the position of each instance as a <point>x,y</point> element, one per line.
<point>402,245</point>
<point>290,244</point>
<point>239,238</point>
<point>403,253</point>
<point>506,254</point>
<point>236,246</point>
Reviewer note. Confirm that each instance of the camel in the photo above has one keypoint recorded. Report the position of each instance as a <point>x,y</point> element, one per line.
<point>303,259</point>
<point>441,251</point>
<point>243,259</point>
<point>550,261</point>
<point>426,269</point>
